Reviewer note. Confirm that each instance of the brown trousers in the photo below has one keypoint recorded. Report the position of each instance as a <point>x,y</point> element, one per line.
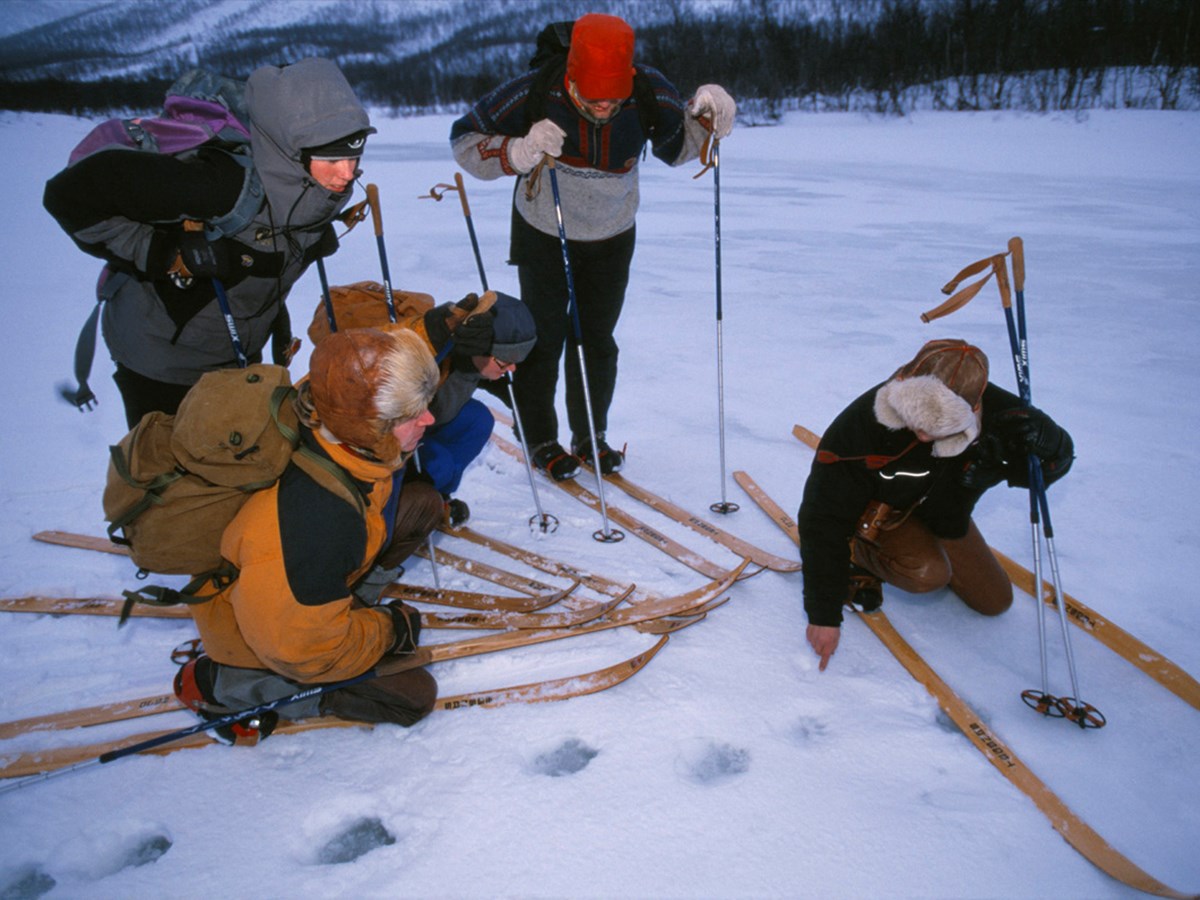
<point>418,513</point>
<point>914,560</point>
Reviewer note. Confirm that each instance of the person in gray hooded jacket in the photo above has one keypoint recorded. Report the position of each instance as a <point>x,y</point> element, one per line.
<point>142,213</point>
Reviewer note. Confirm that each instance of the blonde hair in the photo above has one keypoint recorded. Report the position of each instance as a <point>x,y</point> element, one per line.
<point>408,378</point>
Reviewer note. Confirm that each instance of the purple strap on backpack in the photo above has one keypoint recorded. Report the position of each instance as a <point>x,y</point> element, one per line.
<point>186,123</point>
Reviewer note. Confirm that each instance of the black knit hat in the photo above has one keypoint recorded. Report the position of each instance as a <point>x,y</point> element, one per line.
<point>514,332</point>
<point>349,147</point>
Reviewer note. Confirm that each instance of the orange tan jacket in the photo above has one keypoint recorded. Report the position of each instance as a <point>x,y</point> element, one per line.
<point>299,548</point>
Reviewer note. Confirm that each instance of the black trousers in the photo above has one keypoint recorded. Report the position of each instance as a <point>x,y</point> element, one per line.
<point>600,272</point>
<point>142,395</point>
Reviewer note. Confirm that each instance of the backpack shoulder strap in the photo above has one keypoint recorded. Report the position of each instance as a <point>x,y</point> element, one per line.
<point>330,476</point>
<point>250,200</point>
<point>324,472</point>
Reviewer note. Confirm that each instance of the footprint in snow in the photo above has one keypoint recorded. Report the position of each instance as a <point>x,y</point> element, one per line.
<point>569,758</point>
<point>358,839</point>
<point>709,762</point>
<point>146,851</point>
<point>807,730</point>
<point>27,883</point>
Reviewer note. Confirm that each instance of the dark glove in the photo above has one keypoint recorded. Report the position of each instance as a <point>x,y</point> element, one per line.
<point>1027,429</point>
<point>445,320</point>
<point>224,258</point>
<point>985,466</point>
<point>474,337</point>
<point>406,622</point>
<point>203,258</point>
<point>437,324</point>
<point>283,343</point>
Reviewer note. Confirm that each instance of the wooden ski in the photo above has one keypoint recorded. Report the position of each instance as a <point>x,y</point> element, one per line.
<point>681,605</point>
<point>628,615</point>
<point>486,572</point>
<point>40,762</point>
<point>742,548</point>
<point>1073,829</point>
<point>486,617</point>
<point>665,507</point>
<point>474,600</point>
<point>89,606</point>
<point>467,566</point>
<point>1138,654</point>
<point>80,541</point>
<point>100,714</point>
<point>655,538</point>
<point>597,583</point>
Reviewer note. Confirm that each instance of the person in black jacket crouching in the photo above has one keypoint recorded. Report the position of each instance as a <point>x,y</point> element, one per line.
<point>896,478</point>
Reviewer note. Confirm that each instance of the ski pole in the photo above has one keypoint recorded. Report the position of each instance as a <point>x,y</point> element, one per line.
<point>1043,701</point>
<point>227,314</point>
<point>377,220</point>
<point>1073,708</point>
<point>325,298</point>
<point>433,563</point>
<point>724,507</point>
<point>252,714</point>
<point>466,208</point>
<point>545,523</point>
<point>606,534</point>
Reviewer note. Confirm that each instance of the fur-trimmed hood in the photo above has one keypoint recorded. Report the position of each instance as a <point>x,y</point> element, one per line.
<point>939,392</point>
<point>924,403</point>
<point>303,105</point>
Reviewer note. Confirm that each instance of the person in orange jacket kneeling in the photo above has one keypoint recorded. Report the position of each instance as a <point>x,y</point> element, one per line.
<point>304,609</point>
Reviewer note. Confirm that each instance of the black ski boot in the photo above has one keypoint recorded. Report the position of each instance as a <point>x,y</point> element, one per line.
<point>610,460</point>
<point>866,589</point>
<point>457,512</point>
<point>556,462</point>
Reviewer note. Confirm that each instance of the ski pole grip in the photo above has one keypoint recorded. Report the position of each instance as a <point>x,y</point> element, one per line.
<point>1001,270</point>
<point>462,194</point>
<point>1017,248</point>
<point>376,213</point>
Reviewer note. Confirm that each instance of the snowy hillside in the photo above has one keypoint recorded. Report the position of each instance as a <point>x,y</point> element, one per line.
<point>729,766</point>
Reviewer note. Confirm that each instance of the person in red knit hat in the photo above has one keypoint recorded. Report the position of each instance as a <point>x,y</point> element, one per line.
<point>594,111</point>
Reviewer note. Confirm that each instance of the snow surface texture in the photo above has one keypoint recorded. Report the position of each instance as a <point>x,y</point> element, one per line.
<point>729,766</point>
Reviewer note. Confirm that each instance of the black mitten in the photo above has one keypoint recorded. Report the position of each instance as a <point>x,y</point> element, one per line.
<point>204,258</point>
<point>1029,430</point>
<point>225,258</point>
<point>984,466</point>
<point>437,324</point>
<point>474,337</point>
<point>406,622</point>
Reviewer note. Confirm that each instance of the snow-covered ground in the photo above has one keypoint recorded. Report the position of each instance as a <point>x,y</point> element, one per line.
<point>729,767</point>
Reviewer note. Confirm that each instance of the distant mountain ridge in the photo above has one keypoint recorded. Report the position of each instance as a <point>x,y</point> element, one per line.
<point>152,40</point>
<point>885,56</point>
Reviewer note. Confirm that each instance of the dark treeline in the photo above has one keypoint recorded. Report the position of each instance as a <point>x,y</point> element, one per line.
<point>958,54</point>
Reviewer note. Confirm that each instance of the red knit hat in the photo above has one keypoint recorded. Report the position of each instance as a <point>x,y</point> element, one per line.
<point>600,60</point>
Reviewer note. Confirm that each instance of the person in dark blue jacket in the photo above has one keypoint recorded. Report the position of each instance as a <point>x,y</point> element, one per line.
<point>595,114</point>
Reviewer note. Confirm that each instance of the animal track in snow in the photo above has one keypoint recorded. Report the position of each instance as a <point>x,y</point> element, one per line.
<point>570,757</point>
<point>710,762</point>
<point>358,839</point>
<point>28,883</point>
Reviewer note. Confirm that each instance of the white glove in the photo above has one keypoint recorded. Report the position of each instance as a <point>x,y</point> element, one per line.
<point>713,101</point>
<point>544,138</point>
